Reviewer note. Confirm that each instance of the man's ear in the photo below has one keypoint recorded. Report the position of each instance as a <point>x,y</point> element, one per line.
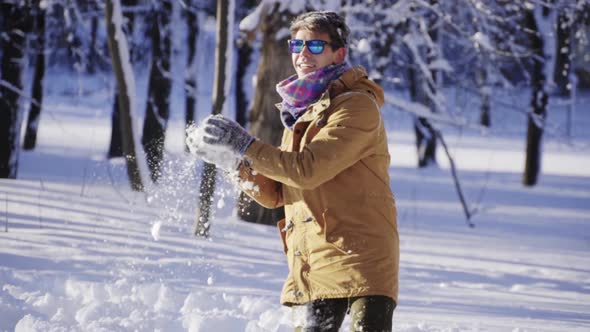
<point>340,55</point>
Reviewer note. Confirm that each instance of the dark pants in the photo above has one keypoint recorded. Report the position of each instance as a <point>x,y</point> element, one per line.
<point>368,313</point>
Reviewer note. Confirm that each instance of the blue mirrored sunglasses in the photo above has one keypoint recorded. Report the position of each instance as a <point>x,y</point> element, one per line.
<point>315,46</point>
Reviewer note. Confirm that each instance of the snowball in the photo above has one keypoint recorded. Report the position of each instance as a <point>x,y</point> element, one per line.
<point>194,138</point>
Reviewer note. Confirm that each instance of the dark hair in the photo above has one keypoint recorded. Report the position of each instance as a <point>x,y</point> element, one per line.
<point>323,21</point>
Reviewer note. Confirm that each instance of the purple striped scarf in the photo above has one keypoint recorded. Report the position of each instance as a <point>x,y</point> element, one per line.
<point>299,93</point>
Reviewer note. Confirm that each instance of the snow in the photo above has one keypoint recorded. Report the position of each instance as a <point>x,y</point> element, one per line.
<point>482,40</point>
<point>252,21</point>
<point>440,64</point>
<point>294,7</point>
<point>82,252</point>
<point>282,34</point>
<point>156,230</point>
<point>364,46</point>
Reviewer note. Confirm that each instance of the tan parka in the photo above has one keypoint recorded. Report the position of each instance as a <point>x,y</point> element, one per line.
<point>331,175</point>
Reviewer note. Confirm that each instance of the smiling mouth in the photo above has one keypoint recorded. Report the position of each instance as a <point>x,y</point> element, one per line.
<point>306,66</point>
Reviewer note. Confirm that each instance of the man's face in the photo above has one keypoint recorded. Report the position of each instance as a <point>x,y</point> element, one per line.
<point>305,62</point>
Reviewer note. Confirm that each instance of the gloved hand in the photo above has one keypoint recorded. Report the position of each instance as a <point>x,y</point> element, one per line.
<point>218,141</point>
<point>221,132</point>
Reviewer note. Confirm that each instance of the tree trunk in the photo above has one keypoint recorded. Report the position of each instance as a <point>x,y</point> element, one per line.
<point>207,188</point>
<point>16,24</point>
<point>92,52</point>
<point>265,123</point>
<point>30,139</point>
<point>425,142</point>
<point>118,48</point>
<point>484,89</point>
<point>160,84</point>
<point>425,135</point>
<point>244,53</point>
<point>74,41</point>
<point>190,81</point>
<point>423,89</point>
<point>115,147</point>
<point>244,59</point>
<point>539,100</point>
<point>485,118</point>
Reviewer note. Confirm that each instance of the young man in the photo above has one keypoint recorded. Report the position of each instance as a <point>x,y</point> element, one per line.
<point>331,175</point>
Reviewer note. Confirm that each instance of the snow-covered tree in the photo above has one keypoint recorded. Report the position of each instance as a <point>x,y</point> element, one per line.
<point>471,45</point>
<point>272,20</point>
<point>190,79</point>
<point>160,85</point>
<point>126,83</point>
<point>115,146</point>
<point>221,86</point>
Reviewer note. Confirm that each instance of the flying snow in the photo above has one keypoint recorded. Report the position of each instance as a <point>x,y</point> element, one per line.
<point>156,230</point>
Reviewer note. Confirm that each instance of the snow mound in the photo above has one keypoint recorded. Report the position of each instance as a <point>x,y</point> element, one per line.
<point>75,305</point>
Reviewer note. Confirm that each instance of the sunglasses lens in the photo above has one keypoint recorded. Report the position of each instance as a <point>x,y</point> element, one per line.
<point>296,45</point>
<point>315,46</point>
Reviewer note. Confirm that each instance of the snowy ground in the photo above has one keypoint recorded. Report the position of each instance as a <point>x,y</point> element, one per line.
<point>84,253</point>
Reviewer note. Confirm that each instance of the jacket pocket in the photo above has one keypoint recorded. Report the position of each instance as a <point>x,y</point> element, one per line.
<point>332,233</point>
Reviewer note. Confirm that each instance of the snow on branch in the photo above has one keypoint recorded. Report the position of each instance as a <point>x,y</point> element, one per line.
<point>251,22</point>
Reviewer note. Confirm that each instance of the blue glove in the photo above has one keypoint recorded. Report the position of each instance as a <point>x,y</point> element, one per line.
<point>221,132</point>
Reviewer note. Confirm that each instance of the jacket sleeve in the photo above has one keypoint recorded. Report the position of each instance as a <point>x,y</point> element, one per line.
<point>266,192</point>
<point>348,136</point>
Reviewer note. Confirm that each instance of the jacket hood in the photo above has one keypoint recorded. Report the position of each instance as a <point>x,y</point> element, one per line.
<point>356,79</point>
